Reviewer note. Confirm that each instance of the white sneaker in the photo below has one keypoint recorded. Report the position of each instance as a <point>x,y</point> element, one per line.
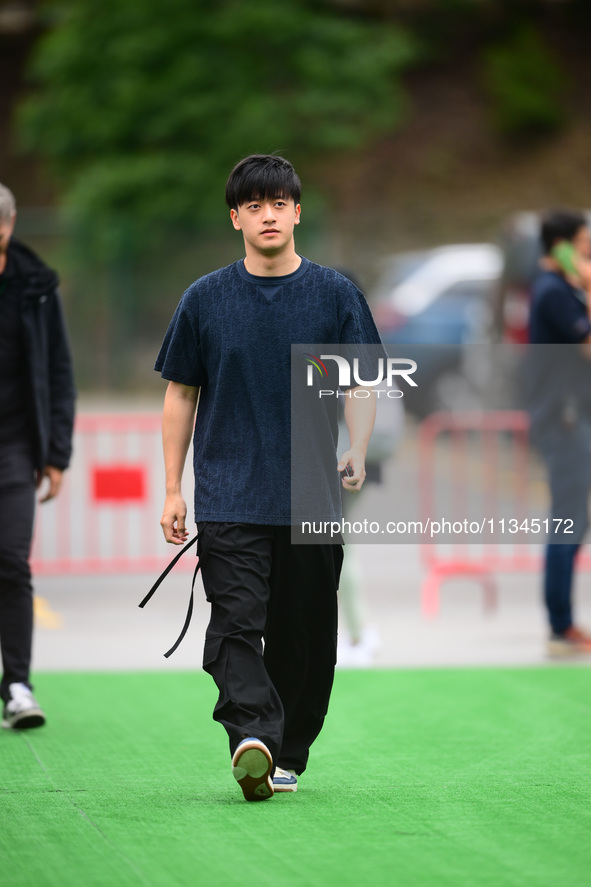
<point>285,780</point>
<point>22,710</point>
<point>361,654</point>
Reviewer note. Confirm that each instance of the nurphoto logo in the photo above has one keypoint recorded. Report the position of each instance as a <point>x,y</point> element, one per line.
<point>349,377</point>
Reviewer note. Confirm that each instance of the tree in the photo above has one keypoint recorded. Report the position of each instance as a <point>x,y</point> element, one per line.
<point>526,83</point>
<point>142,107</point>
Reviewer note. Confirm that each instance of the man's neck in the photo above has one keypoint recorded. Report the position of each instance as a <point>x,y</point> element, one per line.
<point>3,261</point>
<point>272,266</point>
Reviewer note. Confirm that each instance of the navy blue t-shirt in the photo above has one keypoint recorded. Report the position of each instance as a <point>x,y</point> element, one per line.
<point>558,313</point>
<point>558,376</point>
<point>231,336</point>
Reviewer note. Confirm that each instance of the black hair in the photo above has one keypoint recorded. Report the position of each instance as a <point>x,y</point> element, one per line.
<point>560,224</point>
<point>262,177</point>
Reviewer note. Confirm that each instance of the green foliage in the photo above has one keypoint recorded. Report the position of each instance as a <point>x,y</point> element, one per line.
<point>526,85</point>
<point>143,107</point>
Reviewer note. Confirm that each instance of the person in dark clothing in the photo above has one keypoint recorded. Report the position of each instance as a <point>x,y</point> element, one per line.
<point>560,410</point>
<point>36,421</point>
<point>271,642</point>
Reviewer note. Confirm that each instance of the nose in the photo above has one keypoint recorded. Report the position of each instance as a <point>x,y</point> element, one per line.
<point>268,212</point>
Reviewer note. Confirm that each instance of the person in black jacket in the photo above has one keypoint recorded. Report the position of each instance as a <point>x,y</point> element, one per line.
<point>37,399</point>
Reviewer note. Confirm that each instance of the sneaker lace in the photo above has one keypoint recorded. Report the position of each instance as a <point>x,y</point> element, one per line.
<point>19,691</point>
<point>21,695</point>
<point>284,774</point>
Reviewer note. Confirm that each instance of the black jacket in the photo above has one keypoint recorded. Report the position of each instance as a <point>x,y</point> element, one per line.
<point>49,363</point>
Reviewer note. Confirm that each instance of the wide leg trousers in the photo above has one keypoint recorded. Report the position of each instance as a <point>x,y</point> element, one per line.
<point>271,642</point>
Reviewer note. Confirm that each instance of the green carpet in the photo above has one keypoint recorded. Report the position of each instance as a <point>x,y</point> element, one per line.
<point>450,777</point>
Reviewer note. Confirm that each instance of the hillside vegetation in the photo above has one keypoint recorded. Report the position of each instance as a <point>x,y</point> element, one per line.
<point>412,123</point>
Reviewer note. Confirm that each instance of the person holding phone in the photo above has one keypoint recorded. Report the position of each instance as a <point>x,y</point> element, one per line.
<point>560,410</point>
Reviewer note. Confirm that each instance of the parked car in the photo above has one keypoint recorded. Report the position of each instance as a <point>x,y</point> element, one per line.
<point>438,300</point>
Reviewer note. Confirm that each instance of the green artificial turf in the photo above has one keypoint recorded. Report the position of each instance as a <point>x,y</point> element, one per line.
<point>448,777</point>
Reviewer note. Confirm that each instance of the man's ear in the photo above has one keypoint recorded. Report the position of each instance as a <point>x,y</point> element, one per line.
<point>235,219</point>
<point>298,210</point>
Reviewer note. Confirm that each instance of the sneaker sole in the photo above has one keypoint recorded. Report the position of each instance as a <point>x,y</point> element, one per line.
<point>26,721</point>
<point>251,768</point>
<point>281,787</point>
<point>564,650</point>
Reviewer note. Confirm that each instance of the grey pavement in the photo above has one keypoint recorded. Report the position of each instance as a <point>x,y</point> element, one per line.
<point>94,623</point>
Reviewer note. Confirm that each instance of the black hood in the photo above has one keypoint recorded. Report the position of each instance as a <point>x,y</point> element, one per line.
<point>37,277</point>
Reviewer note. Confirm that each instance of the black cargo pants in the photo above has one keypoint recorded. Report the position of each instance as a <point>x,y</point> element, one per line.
<point>271,642</point>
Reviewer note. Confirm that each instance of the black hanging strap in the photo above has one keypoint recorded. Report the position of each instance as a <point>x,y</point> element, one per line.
<point>163,576</point>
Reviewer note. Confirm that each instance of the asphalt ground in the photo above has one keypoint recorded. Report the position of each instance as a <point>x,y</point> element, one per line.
<point>93,622</point>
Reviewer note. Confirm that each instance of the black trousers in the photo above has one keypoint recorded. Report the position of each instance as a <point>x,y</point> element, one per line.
<point>567,454</point>
<point>17,512</point>
<point>271,642</point>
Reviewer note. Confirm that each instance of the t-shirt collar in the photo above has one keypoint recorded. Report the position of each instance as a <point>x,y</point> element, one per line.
<point>272,281</point>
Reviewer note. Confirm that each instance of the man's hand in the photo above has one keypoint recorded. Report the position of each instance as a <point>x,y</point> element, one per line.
<point>173,519</point>
<point>355,459</point>
<point>360,414</point>
<point>55,477</point>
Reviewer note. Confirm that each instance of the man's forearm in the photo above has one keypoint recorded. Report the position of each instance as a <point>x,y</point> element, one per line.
<point>178,417</point>
<point>360,415</point>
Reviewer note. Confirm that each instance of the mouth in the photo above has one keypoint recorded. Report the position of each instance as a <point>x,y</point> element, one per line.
<point>269,231</point>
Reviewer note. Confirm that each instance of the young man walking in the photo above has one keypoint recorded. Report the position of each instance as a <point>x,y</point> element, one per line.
<point>271,641</point>
<point>36,420</point>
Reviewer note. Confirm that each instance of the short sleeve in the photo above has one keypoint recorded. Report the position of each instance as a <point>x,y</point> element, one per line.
<point>359,338</point>
<point>180,358</point>
<point>357,323</point>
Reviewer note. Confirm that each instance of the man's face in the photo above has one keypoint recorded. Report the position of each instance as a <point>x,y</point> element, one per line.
<point>582,242</point>
<point>6,229</point>
<point>267,225</point>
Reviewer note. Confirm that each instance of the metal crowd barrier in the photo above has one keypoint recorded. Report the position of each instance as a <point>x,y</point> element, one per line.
<point>507,473</point>
<point>106,517</point>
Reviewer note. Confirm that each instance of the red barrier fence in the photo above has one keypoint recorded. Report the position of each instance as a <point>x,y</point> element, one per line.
<point>106,518</point>
<point>507,476</point>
